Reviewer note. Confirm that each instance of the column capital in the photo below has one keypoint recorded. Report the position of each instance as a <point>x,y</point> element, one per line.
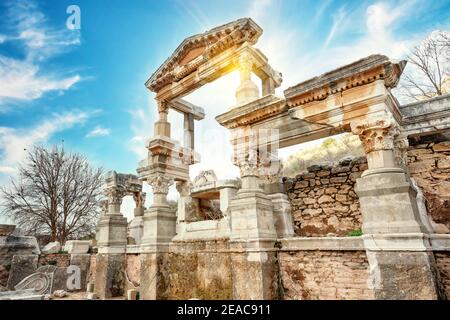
<point>183,188</point>
<point>160,183</point>
<point>114,195</point>
<point>376,135</point>
<point>163,106</point>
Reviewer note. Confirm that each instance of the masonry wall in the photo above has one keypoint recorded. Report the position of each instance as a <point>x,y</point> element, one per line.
<point>59,260</point>
<point>324,275</point>
<point>199,270</point>
<point>323,200</point>
<point>429,165</point>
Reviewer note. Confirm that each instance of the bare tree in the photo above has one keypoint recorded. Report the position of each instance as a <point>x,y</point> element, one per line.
<point>428,67</point>
<point>56,193</point>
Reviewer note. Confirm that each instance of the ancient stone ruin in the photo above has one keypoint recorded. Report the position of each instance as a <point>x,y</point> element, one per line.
<point>268,237</point>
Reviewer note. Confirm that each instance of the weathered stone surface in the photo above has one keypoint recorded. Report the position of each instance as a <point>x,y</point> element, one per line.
<point>20,245</point>
<point>404,275</point>
<point>21,267</point>
<point>77,246</point>
<point>6,229</point>
<point>433,180</point>
<point>331,207</point>
<point>52,247</point>
<point>110,275</point>
<point>443,266</point>
<point>209,276</point>
<point>261,268</point>
<point>83,261</point>
<point>442,147</point>
<point>60,277</point>
<point>325,275</point>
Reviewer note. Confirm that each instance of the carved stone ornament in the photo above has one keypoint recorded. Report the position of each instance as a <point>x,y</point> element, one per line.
<point>115,195</point>
<point>249,168</point>
<point>160,183</point>
<point>139,199</point>
<point>400,151</point>
<point>376,135</point>
<point>183,188</point>
<point>41,282</point>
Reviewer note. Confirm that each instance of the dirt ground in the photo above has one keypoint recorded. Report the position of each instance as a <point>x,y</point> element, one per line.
<point>81,296</point>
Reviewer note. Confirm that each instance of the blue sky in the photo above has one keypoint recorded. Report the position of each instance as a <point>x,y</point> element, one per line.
<point>86,86</point>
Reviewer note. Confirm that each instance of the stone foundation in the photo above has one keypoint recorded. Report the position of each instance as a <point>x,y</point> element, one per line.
<point>200,270</point>
<point>325,275</point>
<point>110,275</point>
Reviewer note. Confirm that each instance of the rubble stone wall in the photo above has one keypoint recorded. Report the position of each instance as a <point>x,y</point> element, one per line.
<point>59,260</point>
<point>429,166</point>
<point>330,275</point>
<point>323,200</point>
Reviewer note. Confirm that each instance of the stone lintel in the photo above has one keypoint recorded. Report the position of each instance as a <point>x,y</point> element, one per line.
<point>184,107</point>
<point>358,73</point>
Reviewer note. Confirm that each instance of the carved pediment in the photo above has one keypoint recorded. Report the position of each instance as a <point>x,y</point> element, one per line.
<point>195,50</point>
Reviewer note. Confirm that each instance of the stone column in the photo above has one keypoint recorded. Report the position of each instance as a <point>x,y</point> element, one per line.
<point>247,90</point>
<point>112,242</point>
<point>388,201</point>
<point>136,227</point>
<point>162,126</point>
<point>253,237</point>
<point>189,130</point>
<point>398,250</point>
<point>159,229</point>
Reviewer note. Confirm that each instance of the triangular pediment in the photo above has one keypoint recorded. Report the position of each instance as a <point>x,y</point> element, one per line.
<point>193,50</point>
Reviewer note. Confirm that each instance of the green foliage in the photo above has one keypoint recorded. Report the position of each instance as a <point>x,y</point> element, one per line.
<point>355,233</point>
<point>62,252</point>
<point>331,150</point>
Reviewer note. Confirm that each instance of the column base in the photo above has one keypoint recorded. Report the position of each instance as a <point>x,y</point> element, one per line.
<point>110,275</point>
<point>388,203</point>
<point>112,229</point>
<point>404,275</point>
<point>159,226</point>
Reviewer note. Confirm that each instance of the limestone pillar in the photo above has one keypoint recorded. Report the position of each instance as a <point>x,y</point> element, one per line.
<point>247,90</point>
<point>112,242</point>
<point>397,246</point>
<point>159,229</point>
<point>162,126</point>
<point>252,240</point>
<point>136,228</point>
<point>388,201</point>
<point>189,130</point>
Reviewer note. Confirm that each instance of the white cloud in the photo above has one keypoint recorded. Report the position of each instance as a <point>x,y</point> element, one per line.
<point>338,18</point>
<point>25,79</point>
<point>15,142</point>
<point>20,80</point>
<point>98,132</point>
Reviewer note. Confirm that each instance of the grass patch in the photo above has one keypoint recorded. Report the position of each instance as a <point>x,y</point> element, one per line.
<point>355,233</point>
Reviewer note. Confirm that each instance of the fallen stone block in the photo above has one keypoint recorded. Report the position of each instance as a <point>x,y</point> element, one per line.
<point>52,247</point>
<point>77,246</point>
